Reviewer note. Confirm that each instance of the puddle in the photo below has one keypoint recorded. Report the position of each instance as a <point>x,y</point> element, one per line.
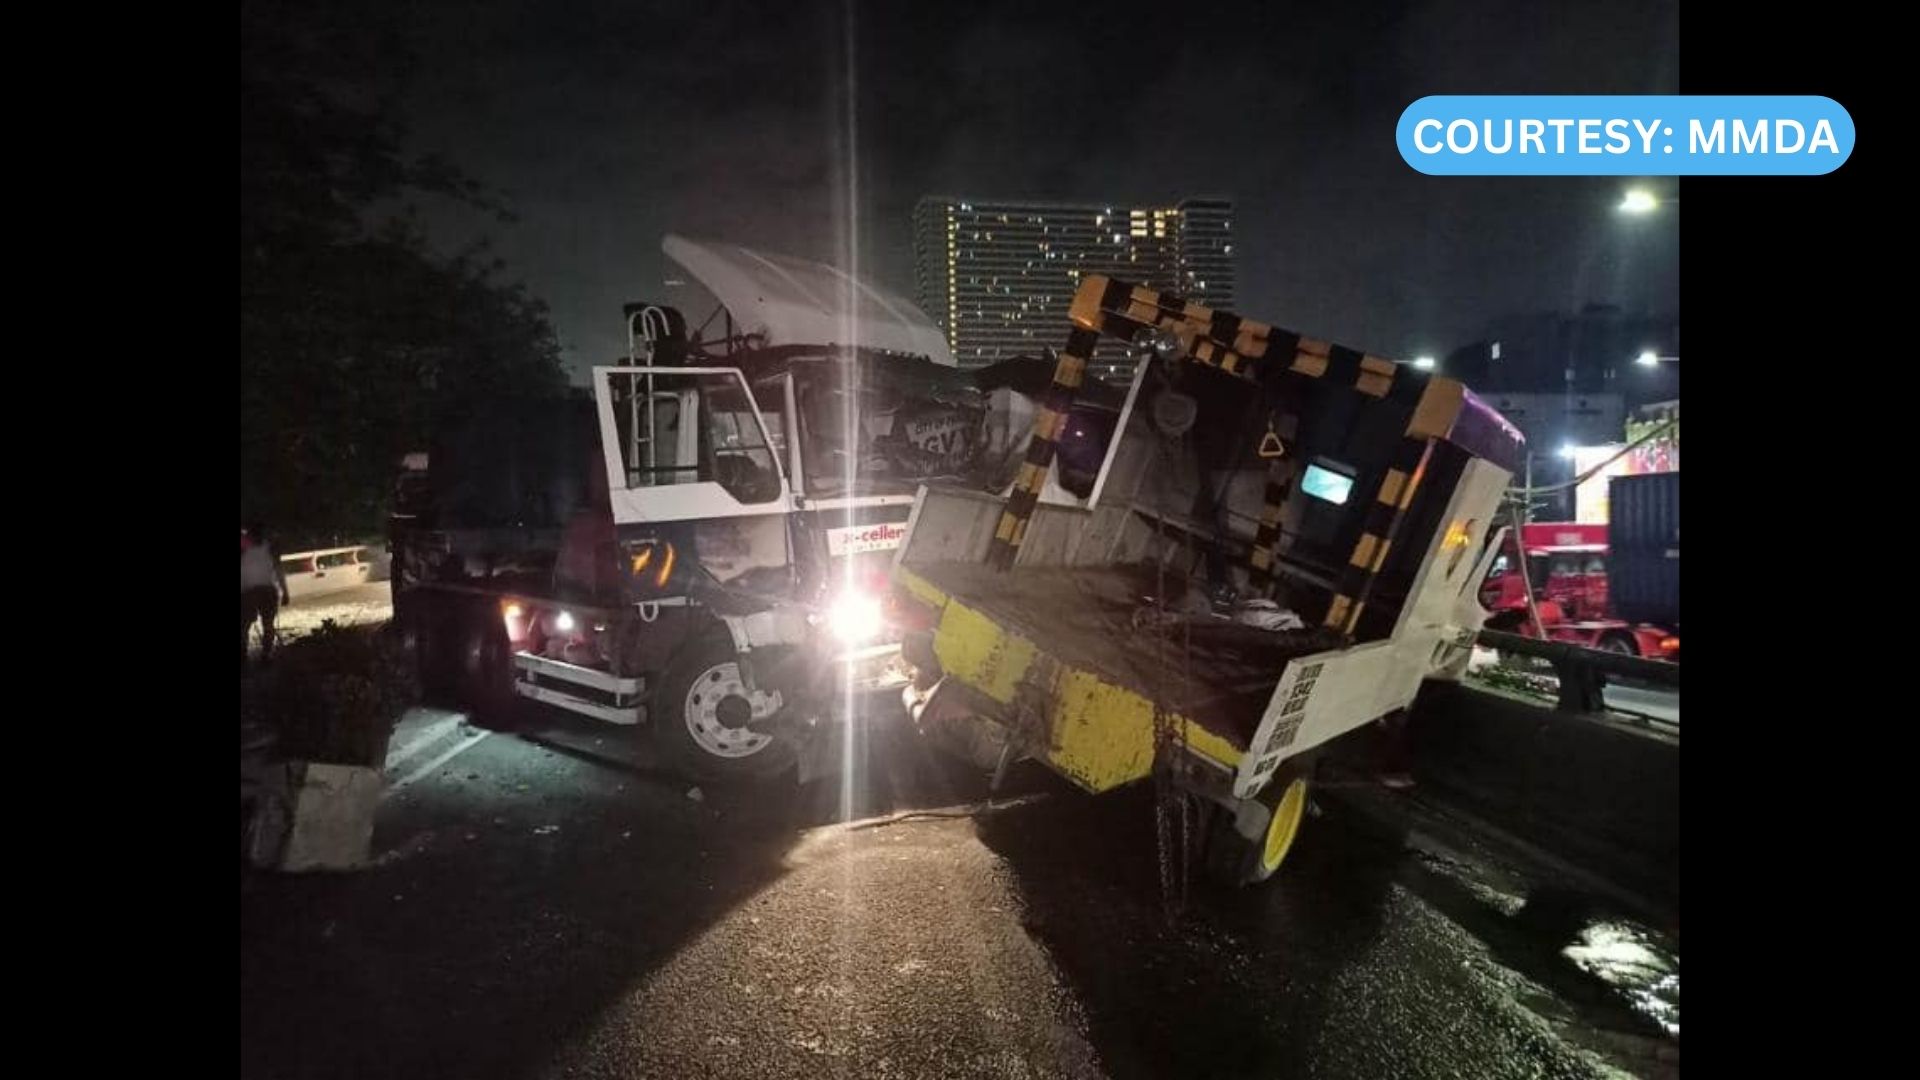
<point>1635,963</point>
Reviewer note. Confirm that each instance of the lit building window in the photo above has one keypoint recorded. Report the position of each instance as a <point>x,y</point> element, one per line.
<point>1167,247</point>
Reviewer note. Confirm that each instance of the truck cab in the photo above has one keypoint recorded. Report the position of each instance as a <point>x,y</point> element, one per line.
<point>1567,565</point>
<point>1566,561</point>
<point>698,545</point>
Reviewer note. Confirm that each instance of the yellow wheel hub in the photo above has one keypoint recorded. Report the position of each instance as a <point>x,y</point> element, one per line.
<point>1285,825</point>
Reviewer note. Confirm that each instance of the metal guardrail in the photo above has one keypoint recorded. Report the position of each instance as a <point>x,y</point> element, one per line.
<point>345,567</point>
<point>305,557</point>
<point>1581,670</point>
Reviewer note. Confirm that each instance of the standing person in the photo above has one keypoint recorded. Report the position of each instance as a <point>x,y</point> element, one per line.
<point>262,583</point>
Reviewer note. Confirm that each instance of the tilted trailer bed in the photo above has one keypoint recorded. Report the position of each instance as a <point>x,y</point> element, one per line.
<point>1084,637</point>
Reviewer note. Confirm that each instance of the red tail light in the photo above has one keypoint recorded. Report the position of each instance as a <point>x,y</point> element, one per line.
<point>1669,644</point>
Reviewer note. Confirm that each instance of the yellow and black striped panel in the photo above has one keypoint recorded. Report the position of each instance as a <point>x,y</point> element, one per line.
<point>1378,531</point>
<point>1246,348</point>
<point>1436,405</point>
<point>1139,306</point>
<point>1048,424</point>
<point>1266,539</point>
<point>1240,347</point>
<point>1217,339</point>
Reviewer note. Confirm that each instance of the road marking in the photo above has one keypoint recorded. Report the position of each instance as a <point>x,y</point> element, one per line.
<point>424,738</point>
<point>457,749</point>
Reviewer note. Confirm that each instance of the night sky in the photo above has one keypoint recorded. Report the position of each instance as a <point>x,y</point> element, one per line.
<point>607,124</point>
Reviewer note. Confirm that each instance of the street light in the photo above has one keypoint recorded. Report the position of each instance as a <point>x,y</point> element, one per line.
<point>1648,358</point>
<point>1424,363</point>
<point>1639,201</point>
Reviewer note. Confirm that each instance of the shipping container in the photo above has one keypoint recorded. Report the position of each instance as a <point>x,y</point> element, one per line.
<point>1643,539</point>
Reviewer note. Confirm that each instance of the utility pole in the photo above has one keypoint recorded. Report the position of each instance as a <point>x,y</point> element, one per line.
<point>1526,485</point>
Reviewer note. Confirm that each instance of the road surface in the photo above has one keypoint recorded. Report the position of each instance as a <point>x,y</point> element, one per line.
<point>550,904</point>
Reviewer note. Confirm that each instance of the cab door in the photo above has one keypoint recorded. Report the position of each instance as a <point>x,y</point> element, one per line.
<point>683,444</point>
<point>691,468</point>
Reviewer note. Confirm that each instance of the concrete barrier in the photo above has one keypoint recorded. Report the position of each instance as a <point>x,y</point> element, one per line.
<point>318,817</point>
<point>1601,793</point>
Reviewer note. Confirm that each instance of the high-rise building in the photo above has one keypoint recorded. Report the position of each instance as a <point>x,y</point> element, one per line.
<point>998,277</point>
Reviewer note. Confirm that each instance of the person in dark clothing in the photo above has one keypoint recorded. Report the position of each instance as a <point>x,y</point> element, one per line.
<point>263,588</point>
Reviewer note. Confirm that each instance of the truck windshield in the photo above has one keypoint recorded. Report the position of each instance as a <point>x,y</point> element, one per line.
<point>886,437</point>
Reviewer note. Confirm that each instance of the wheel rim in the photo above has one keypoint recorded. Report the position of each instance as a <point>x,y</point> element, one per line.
<point>717,707</point>
<point>1284,826</point>
<point>1617,645</point>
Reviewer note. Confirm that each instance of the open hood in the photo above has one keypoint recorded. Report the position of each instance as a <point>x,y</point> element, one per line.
<point>796,302</point>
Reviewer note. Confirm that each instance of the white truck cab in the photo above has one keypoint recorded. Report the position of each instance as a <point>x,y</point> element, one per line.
<point>721,565</point>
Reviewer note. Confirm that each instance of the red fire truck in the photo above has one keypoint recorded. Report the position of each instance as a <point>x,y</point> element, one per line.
<point>1567,565</point>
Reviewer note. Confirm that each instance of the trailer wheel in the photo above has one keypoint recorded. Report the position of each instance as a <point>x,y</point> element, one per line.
<point>701,712</point>
<point>1232,858</point>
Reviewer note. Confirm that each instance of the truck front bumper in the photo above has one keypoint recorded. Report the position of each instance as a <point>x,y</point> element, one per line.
<point>874,668</point>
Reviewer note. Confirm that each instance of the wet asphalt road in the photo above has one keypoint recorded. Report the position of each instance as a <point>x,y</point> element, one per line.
<point>551,905</point>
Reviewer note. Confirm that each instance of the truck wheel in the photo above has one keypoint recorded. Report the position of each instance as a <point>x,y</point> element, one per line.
<point>701,711</point>
<point>1618,643</point>
<point>466,662</point>
<point>428,626</point>
<point>488,669</point>
<point>1234,859</point>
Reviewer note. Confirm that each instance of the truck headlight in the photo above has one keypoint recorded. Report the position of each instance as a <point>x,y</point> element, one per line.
<point>854,617</point>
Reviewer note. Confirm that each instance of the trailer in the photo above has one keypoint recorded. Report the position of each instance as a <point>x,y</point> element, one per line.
<point>1644,534</point>
<point>1287,545</point>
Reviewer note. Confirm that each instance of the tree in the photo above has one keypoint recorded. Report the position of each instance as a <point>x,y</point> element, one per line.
<point>353,332</point>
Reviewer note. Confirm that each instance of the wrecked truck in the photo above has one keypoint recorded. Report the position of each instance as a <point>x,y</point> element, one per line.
<point>1287,543</point>
<point>696,547</point>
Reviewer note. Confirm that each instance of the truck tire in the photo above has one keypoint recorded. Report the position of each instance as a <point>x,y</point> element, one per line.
<point>699,712</point>
<point>488,672</point>
<point>1233,859</point>
<point>426,626</point>
<point>1619,643</point>
<point>465,661</point>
